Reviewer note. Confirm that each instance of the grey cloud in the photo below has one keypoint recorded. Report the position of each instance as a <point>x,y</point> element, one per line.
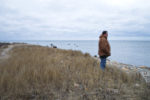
<point>72,19</point>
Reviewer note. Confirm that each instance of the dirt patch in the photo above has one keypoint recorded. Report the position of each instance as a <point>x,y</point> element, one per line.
<point>5,52</point>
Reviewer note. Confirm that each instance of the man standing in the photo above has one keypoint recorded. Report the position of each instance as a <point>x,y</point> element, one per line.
<point>104,49</point>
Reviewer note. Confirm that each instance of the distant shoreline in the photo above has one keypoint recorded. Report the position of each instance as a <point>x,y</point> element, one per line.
<point>53,45</point>
<point>71,40</point>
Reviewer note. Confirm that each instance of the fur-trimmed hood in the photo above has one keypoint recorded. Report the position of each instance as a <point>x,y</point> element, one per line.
<point>102,36</point>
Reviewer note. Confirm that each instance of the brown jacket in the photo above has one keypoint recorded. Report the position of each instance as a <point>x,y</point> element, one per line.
<point>104,47</point>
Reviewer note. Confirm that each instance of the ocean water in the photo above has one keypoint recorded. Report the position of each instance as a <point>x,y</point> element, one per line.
<point>128,52</point>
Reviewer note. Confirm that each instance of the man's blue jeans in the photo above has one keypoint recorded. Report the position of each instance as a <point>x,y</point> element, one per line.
<point>103,62</point>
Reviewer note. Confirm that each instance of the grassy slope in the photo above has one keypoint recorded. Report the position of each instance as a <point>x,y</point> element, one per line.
<point>35,72</point>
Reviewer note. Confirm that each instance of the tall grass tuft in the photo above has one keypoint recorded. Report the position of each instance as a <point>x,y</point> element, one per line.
<point>42,73</point>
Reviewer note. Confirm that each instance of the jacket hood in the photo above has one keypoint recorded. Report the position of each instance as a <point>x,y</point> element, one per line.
<point>102,36</point>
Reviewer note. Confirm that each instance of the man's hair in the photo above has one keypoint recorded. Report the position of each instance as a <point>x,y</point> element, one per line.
<point>104,32</point>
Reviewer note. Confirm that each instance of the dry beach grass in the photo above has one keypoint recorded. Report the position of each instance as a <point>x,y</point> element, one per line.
<point>43,73</point>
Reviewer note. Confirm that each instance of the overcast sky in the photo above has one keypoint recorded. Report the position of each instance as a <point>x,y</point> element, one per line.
<point>74,19</point>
